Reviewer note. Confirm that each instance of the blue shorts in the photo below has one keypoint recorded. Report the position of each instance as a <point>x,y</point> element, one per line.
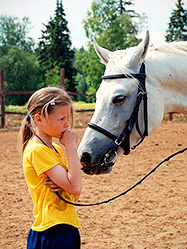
<point>61,236</point>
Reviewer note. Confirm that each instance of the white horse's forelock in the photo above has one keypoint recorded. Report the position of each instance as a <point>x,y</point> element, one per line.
<point>118,61</point>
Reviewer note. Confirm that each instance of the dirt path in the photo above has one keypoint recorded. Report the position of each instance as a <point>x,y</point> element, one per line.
<point>151,216</point>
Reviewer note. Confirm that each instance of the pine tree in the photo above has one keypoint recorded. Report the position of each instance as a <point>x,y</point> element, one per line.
<point>55,46</point>
<point>177,29</point>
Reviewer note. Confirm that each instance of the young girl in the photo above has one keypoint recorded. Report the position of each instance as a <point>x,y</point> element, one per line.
<point>46,170</point>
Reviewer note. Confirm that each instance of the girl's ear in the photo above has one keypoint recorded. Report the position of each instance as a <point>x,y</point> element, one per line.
<point>37,119</point>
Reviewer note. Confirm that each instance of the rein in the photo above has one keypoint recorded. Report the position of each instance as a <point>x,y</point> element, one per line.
<point>126,191</point>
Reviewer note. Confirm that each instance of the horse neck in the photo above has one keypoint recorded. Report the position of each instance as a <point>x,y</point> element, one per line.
<point>167,74</point>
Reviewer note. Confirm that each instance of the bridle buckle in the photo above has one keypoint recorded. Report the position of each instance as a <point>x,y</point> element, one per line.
<point>118,142</point>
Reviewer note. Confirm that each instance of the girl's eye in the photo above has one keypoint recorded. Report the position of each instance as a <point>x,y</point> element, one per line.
<point>119,99</point>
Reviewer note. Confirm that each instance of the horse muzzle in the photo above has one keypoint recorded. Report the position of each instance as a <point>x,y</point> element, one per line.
<point>103,167</point>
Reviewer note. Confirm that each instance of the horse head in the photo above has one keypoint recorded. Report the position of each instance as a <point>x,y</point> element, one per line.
<point>116,101</point>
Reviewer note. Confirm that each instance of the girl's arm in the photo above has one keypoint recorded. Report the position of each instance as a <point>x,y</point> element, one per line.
<point>50,184</point>
<point>70,181</point>
<point>55,188</point>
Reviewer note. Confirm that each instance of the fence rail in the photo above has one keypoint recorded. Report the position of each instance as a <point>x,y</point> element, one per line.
<point>3,93</point>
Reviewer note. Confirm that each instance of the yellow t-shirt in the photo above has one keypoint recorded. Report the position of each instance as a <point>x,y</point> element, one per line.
<point>49,210</point>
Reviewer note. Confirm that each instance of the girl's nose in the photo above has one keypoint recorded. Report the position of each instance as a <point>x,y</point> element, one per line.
<point>66,123</point>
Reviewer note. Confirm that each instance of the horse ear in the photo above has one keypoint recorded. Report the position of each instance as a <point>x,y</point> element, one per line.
<point>103,53</point>
<point>139,53</point>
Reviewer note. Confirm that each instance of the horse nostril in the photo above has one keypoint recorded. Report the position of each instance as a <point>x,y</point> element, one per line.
<point>86,159</point>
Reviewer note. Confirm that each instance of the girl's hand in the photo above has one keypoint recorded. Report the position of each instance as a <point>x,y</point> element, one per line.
<point>50,184</point>
<point>69,138</point>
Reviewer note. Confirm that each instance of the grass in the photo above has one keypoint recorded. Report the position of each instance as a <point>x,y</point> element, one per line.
<point>77,106</point>
<point>82,106</point>
<point>16,108</point>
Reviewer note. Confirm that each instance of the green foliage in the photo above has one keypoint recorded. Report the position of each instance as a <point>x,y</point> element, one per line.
<point>17,58</point>
<point>94,70</point>
<point>112,25</point>
<point>55,47</point>
<point>108,15</point>
<point>121,34</point>
<point>13,32</point>
<point>81,86</point>
<point>21,73</point>
<point>89,72</point>
<point>177,29</point>
<point>52,78</point>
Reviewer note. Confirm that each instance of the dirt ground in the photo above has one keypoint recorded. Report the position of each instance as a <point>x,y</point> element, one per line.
<point>153,215</point>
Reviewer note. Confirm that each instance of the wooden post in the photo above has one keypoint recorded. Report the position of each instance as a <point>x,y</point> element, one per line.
<point>2,98</point>
<point>170,116</point>
<point>62,78</point>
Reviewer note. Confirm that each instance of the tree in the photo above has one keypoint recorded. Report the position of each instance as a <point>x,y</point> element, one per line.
<point>21,73</point>
<point>17,58</point>
<point>177,29</point>
<point>80,64</point>
<point>13,32</point>
<point>89,70</point>
<point>55,47</point>
<point>52,78</point>
<point>112,25</point>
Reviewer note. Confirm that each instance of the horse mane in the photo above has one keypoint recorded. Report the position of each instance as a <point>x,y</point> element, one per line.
<point>179,47</point>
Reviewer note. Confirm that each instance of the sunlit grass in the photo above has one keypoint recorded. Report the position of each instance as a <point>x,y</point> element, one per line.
<point>82,106</point>
<point>16,108</point>
<point>77,106</point>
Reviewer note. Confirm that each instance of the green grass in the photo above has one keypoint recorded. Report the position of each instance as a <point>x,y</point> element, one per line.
<point>82,106</point>
<point>77,106</point>
<point>16,108</point>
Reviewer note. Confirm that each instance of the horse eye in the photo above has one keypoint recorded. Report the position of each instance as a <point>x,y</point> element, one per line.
<point>119,99</point>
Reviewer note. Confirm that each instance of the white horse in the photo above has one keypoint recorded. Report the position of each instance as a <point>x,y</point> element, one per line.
<point>116,98</point>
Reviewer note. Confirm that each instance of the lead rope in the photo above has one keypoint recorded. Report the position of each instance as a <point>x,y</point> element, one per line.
<point>126,191</point>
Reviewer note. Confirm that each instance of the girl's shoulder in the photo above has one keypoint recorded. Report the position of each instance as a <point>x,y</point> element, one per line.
<point>42,157</point>
<point>34,145</point>
<point>36,148</point>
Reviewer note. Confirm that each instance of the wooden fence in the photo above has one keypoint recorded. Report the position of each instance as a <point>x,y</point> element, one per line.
<point>3,93</point>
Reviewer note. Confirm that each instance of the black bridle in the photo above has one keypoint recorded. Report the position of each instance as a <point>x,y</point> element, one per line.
<point>123,140</point>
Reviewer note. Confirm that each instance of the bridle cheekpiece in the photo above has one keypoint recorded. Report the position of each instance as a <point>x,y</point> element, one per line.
<point>123,140</point>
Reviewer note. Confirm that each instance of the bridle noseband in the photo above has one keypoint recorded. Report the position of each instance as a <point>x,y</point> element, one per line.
<point>123,140</point>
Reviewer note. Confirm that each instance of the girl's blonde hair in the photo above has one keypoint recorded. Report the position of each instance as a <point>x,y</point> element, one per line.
<point>43,102</point>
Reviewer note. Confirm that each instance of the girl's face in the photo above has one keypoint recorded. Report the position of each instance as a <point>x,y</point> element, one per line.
<point>57,122</point>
